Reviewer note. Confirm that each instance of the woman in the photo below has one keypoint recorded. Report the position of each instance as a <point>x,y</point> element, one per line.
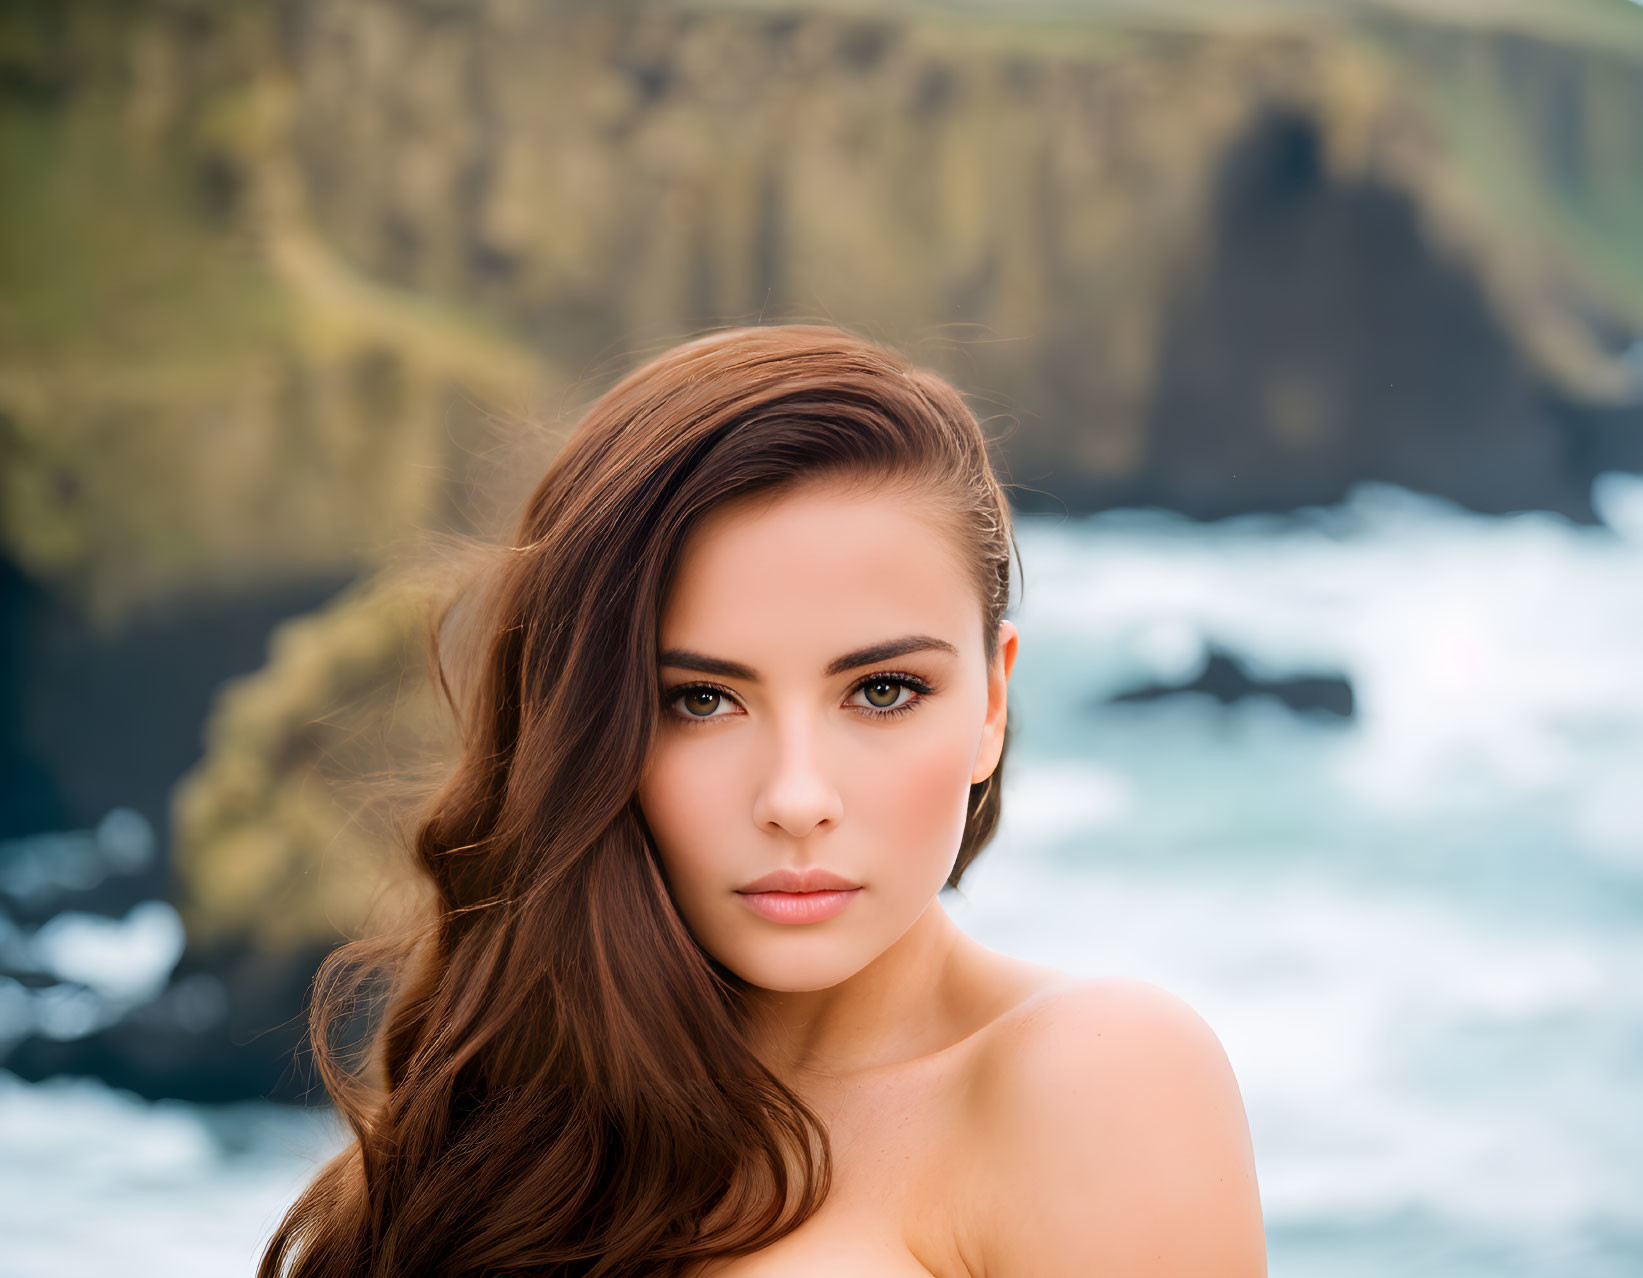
<point>690,1003</point>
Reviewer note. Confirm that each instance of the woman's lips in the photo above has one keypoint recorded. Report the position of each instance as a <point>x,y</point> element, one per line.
<point>798,907</point>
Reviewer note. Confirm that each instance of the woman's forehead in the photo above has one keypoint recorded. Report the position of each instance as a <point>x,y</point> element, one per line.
<point>820,571</point>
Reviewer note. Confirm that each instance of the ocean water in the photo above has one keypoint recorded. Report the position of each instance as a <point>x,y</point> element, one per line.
<point>96,1183</point>
<point>1417,930</point>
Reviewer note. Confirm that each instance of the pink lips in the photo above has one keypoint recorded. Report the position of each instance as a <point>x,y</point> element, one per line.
<point>798,896</point>
<point>798,907</point>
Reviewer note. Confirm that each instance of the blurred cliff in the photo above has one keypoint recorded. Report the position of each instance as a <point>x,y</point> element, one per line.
<point>271,273</point>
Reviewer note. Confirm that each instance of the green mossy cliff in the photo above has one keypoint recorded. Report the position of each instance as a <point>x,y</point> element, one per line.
<point>268,271</point>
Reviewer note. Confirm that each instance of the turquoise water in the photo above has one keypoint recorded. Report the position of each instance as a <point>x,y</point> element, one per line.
<point>1418,932</point>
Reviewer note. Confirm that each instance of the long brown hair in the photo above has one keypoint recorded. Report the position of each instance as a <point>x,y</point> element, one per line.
<point>560,1081</point>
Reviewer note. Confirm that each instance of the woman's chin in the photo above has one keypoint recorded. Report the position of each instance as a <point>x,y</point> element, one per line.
<point>827,964</point>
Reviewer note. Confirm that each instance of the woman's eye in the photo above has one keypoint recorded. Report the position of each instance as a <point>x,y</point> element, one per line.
<point>882,694</point>
<point>883,697</point>
<point>700,703</point>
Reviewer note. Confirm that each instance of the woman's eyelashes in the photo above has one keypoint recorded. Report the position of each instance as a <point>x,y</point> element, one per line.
<point>882,692</point>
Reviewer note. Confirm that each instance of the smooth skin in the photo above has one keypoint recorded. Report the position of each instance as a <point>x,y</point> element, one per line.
<point>990,1118</point>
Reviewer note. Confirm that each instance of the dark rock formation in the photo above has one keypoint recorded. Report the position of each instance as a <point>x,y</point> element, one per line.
<point>1224,678</point>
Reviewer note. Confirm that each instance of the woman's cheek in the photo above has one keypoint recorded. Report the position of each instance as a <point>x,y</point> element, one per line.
<point>676,797</point>
<point>918,810</point>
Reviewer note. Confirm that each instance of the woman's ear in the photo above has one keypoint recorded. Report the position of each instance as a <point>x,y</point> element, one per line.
<point>998,695</point>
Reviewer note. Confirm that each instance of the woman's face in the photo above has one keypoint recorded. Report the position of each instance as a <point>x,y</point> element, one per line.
<point>786,743</point>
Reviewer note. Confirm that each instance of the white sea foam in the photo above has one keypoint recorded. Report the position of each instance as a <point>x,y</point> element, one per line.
<point>125,959</point>
<point>96,1181</point>
<point>87,970</point>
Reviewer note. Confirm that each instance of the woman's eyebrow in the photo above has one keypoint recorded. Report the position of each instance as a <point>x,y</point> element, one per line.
<point>683,659</point>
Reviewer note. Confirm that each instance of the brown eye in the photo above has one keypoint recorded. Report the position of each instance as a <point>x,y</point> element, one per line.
<point>882,693</point>
<point>698,703</point>
<point>701,702</point>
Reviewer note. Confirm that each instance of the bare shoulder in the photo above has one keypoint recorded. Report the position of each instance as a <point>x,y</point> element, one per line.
<point>1113,1131</point>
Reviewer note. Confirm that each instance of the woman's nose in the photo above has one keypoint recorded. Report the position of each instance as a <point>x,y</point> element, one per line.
<point>796,791</point>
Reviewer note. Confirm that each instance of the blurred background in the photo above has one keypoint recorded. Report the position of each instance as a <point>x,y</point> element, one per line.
<point>1312,334</point>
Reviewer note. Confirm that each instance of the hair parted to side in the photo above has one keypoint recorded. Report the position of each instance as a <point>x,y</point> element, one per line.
<point>560,1083</point>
